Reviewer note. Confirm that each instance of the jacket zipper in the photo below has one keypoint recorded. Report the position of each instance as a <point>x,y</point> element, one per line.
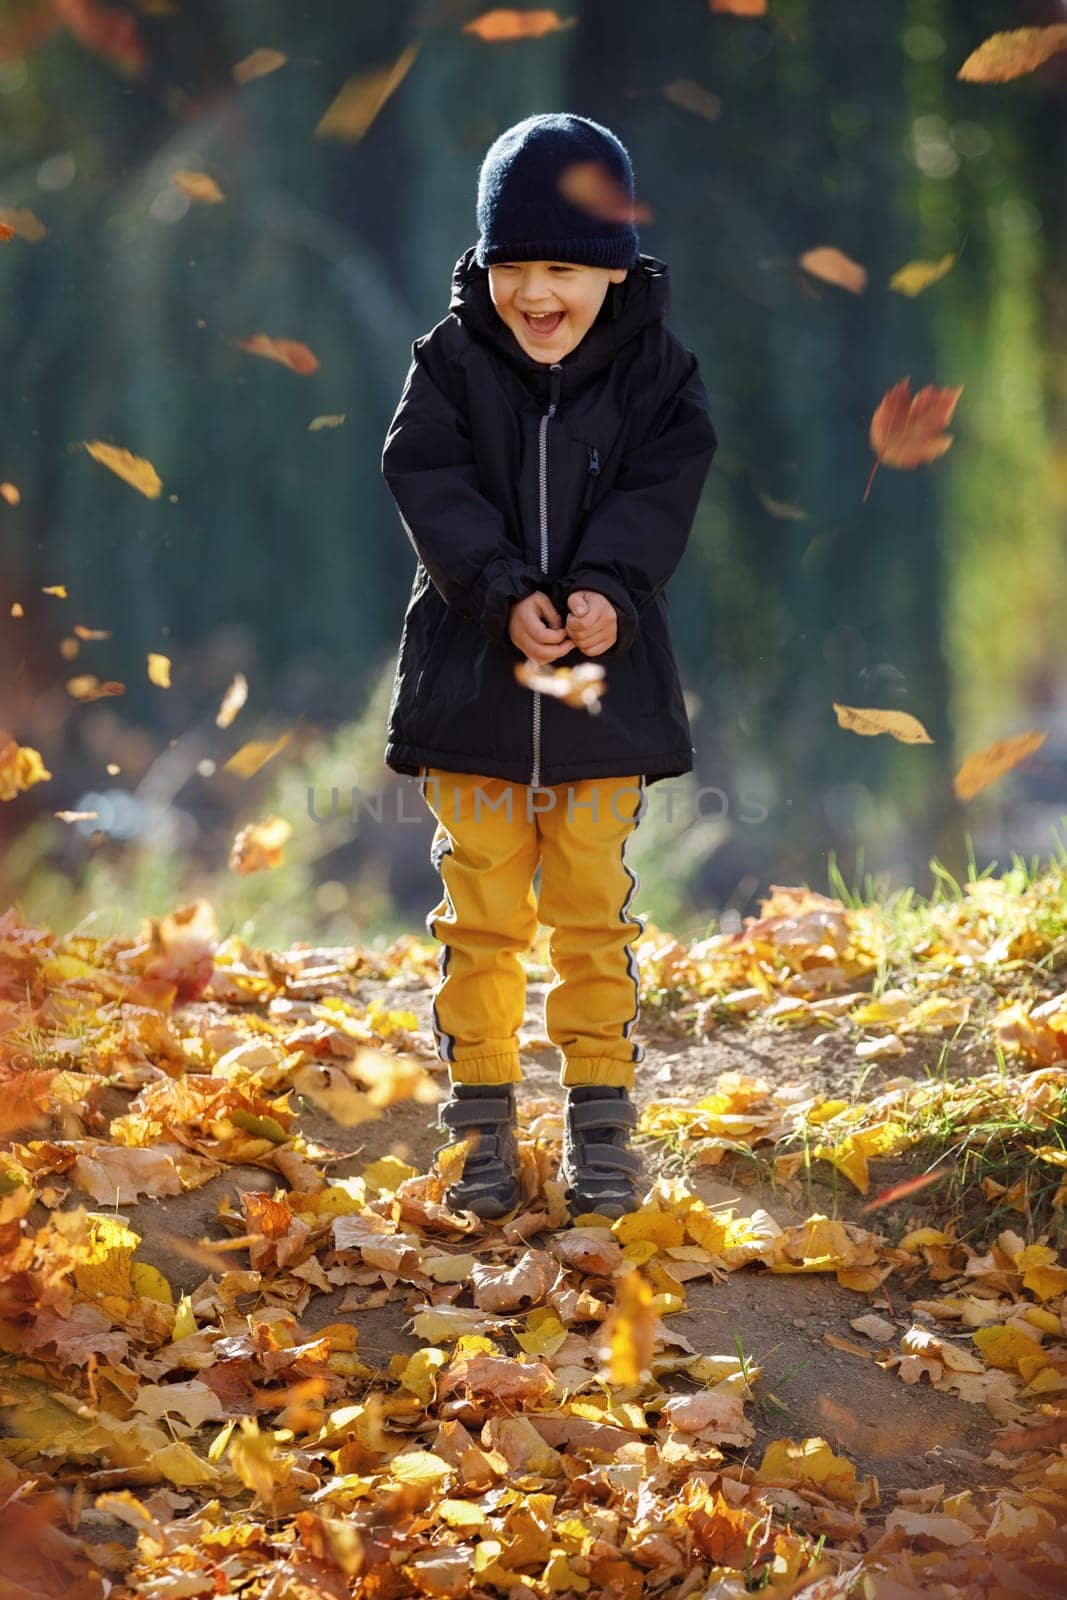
<point>594,473</point>
<point>554,379</point>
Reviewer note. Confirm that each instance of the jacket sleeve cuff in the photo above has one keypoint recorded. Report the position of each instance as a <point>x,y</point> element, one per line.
<point>625,610</point>
<point>504,584</point>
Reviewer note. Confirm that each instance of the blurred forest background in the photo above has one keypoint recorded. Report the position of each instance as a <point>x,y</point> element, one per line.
<point>344,167</point>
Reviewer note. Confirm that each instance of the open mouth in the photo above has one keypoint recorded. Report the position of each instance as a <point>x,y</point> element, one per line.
<point>543,327</point>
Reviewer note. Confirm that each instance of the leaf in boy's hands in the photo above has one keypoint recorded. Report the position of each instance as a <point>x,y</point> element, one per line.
<point>504,22</point>
<point>579,686</point>
<point>290,352</point>
<point>871,720</point>
<point>908,430</point>
<point>833,266</point>
<point>1012,54</point>
<point>986,766</point>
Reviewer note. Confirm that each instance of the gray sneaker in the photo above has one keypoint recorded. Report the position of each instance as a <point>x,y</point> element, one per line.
<point>599,1170</point>
<point>490,1183</point>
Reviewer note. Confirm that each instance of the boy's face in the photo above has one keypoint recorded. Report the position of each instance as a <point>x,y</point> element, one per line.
<point>570,294</point>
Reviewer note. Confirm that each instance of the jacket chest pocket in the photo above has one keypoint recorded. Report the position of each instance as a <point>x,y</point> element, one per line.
<point>577,479</point>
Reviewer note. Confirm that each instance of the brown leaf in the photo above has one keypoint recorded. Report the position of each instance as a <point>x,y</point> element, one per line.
<point>870,720</point>
<point>1013,53</point>
<point>833,266</point>
<point>290,352</point>
<point>107,31</point>
<point>507,1288</point>
<point>984,767</point>
<point>907,430</point>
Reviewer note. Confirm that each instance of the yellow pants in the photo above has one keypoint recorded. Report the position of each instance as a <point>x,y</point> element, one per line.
<point>491,836</point>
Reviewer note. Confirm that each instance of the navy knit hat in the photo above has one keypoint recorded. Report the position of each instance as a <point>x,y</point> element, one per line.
<point>556,187</point>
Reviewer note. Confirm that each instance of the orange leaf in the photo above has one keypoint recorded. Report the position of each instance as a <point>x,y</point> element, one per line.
<point>1012,54</point>
<point>258,64</point>
<point>506,23</point>
<point>359,100</point>
<point>986,766</point>
<point>290,352</point>
<point>740,8</point>
<point>107,31</point>
<point>88,687</point>
<point>833,266</point>
<point>593,189</point>
<point>198,186</point>
<point>134,470</point>
<point>907,430</point>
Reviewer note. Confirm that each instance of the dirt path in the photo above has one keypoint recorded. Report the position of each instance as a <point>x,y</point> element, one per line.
<point>906,1436</point>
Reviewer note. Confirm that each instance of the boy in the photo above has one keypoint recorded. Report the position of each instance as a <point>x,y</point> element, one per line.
<point>547,457</point>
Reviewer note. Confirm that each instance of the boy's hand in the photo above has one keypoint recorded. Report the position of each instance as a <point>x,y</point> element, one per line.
<point>536,628</point>
<point>592,621</point>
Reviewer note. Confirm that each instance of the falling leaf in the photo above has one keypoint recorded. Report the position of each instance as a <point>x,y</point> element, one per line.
<point>8,491</point>
<point>248,760</point>
<point>907,430</point>
<point>360,99</point>
<point>594,189</point>
<point>134,470</point>
<point>107,31</point>
<point>916,276</point>
<point>783,509</point>
<point>159,670</point>
<point>91,633</point>
<point>25,224</point>
<point>290,352</point>
<point>198,186</point>
<point>900,1191</point>
<point>693,96</point>
<point>833,266</point>
<point>740,8</point>
<point>984,767</point>
<point>629,1331</point>
<point>258,64</point>
<point>89,687</point>
<point>504,22</point>
<point>580,686</point>
<point>57,589</point>
<point>20,767</point>
<point>333,421</point>
<point>258,846</point>
<point>232,701</point>
<point>1013,53</point>
<point>870,720</point>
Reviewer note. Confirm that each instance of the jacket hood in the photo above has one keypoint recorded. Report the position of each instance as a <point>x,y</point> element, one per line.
<point>642,297</point>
